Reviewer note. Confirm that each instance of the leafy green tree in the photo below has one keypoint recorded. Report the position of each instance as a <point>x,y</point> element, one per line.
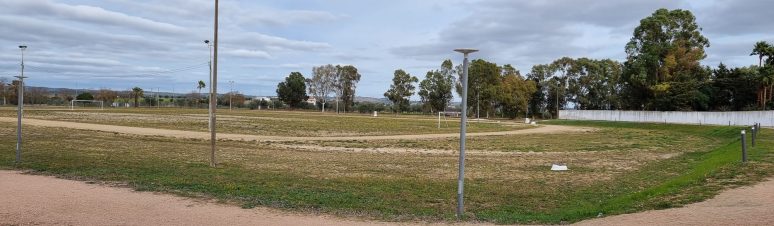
<point>663,61</point>
<point>293,90</point>
<point>762,49</point>
<point>515,93</point>
<point>401,89</point>
<point>483,80</point>
<point>136,93</point>
<point>200,85</point>
<point>435,90</point>
<point>348,79</point>
<point>323,83</point>
<point>85,96</point>
<point>539,75</point>
<point>734,89</point>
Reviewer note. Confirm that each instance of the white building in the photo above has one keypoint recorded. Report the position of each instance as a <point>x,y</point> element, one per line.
<point>311,100</point>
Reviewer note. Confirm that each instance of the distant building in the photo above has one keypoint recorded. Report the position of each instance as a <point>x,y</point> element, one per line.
<point>311,100</point>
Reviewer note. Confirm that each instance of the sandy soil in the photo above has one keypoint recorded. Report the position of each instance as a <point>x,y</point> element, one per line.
<point>742,206</point>
<point>245,137</point>
<point>43,200</point>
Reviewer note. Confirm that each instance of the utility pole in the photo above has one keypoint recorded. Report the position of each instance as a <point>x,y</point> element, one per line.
<point>214,88</point>
<point>463,127</point>
<point>557,101</point>
<point>230,93</point>
<point>20,107</point>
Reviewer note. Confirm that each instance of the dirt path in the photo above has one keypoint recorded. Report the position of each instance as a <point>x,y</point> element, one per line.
<point>742,206</point>
<point>245,137</point>
<point>43,200</point>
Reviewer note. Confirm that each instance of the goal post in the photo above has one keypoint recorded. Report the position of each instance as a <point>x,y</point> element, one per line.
<point>96,103</point>
<point>444,114</point>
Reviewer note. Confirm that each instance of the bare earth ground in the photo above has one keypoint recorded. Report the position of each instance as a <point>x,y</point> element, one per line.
<point>245,137</point>
<point>44,200</point>
<point>752,205</point>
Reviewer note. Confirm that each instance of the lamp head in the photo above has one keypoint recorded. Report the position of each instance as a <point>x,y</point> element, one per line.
<point>466,51</point>
<point>22,47</point>
<point>206,41</point>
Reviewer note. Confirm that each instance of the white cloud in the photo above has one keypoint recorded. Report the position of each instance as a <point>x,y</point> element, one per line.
<point>88,14</point>
<point>247,53</point>
<point>272,17</point>
<point>273,42</point>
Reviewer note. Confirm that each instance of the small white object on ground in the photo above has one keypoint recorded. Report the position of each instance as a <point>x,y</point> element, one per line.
<point>555,167</point>
<point>376,113</point>
<point>533,123</point>
<point>526,120</point>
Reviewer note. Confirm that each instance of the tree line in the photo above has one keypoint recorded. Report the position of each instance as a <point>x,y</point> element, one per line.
<point>328,82</point>
<point>662,72</point>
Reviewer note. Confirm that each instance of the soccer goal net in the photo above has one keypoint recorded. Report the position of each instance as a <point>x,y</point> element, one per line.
<point>87,104</point>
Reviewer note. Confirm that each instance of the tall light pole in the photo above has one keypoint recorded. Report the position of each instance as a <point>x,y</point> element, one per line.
<point>20,107</point>
<point>209,62</point>
<point>214,89</point>
<point>158,103</point>
<point>230,93</point>
<point>463,127</point>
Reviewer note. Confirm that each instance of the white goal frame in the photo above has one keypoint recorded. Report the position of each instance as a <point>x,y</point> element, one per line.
<point>101,103</point>
<point>444,113</point>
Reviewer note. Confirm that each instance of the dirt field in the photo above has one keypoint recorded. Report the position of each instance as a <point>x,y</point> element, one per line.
<point>245,137</point>
<point>43,200</point>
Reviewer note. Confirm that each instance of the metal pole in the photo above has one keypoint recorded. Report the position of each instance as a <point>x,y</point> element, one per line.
<point>744,147</point>
<point>754,133</point>
<point>20,108</point>
<point>463,127</point>
<point>230,93</point>
<point>209,62</point>
<point>214,88</point>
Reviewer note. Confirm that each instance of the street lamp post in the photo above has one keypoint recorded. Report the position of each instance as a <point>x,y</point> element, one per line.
<point>214,89</point>
<point>20,107</point>
<point>463,127</point>
<point>209,62</point>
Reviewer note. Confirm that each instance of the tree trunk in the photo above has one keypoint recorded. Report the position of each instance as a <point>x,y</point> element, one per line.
<point>763,99</point>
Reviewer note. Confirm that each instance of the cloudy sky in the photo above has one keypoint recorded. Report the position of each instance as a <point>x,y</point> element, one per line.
<point>120,44</point>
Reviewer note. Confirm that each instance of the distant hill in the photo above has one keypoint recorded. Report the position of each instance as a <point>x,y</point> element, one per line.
<point>372,100</point>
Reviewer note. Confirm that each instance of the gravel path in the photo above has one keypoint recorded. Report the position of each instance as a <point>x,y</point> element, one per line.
<point>245,137</point>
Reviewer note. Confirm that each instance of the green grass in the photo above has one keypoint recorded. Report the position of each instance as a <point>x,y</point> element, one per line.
<point>510,187</point>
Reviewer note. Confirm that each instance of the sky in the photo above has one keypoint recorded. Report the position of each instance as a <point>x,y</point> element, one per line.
<point>158,45</point>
